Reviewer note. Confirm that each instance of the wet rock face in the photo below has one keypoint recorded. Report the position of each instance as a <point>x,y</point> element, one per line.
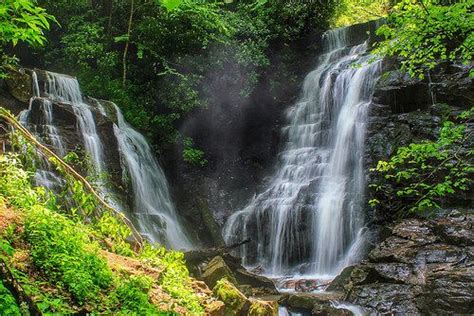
<point>407,110</point>
<point>422,267</point>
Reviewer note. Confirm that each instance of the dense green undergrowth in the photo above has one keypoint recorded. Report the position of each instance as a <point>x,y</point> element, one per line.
<point>8,304</point>
<point>422,177</point>
<point>68,272</point>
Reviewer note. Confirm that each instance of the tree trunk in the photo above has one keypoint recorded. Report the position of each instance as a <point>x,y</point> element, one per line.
<point>127,43</point>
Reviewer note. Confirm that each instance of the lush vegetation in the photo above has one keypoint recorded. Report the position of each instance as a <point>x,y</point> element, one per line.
<point>67,271</point>
<point>425,33</point>
<point>423,176</point>
<point>158,60</point>
<point>8,305</point>
<point>351,12</point>
<point>21,21</point>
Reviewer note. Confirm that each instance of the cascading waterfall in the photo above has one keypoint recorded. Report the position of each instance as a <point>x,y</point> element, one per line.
<point>153,209</point>
<point>309,221</point>
<point>63,88</point>
<point>45,130</point>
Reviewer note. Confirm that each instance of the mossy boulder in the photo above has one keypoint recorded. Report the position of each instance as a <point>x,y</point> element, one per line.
<point>341,280</point>
<point>263,308</point>
<point>215,270</point>
<point>19,85</point>
<point>216,308</point>
<point>235,302</point>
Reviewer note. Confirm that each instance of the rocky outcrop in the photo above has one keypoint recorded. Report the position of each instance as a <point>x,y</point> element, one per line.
<point>15,94</point>
<point>317,304</point>
<point>212,265</point>
<point>421,267</point>
<point>407,110</point>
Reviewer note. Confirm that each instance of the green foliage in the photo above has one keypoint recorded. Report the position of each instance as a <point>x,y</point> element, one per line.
<point>424,33</point>
<point>351,12</point>
<point>132,296</point>
<point>21,21</point>
<point>66,253</point>
<point>175,278</point>
<point>176,50</point>
<point>422,175</point>
<point>63,251</point>
<point>193,155</point>
<point>8,305</point>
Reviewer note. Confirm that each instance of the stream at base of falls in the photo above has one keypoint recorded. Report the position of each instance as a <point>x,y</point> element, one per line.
<point>308,223</point>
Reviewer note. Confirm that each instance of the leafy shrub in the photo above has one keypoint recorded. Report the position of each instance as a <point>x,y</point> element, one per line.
<point>132,296</point>
<point>8,305</point>
<point>423,33</point>
<point>193,155</point>
<point>63,251</point>
<point>21,21</point>
<point>175,278</point>
<point>422,175</point>
<point>350,12</point>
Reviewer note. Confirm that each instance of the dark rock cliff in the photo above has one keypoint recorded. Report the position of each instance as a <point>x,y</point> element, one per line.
<point>417,266</point>
<point>407,110</point>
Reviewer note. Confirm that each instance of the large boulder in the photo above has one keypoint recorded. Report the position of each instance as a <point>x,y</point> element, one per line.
<point>215,270</point>
<point>213,264</point>
<point>421,267</point>
<point>19,85</point>
<point>263,308</point>
<point>236,303</point>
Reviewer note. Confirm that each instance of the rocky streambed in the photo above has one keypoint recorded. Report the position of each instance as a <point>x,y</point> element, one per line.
<point>419,266</point>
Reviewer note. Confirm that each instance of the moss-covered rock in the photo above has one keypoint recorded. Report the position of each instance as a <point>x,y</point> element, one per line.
<point>19,85</point>
<point>215,308</point>
<point>263,308</point>
<point>215,270</point>
<point>235,302</point>
<point>342,279</point>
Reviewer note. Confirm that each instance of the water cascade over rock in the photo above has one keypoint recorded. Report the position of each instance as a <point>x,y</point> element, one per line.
<point>309,220</point>
<point>151,206</point>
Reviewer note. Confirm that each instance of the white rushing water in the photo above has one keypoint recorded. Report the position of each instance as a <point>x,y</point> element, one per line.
<point>309,220</point>
<point>66,89</point>
<point>152,208</point>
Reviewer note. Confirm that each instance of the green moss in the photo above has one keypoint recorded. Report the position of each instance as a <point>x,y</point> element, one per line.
<point>263,308</point>
<point>234,300</point>
<point>216,270</point>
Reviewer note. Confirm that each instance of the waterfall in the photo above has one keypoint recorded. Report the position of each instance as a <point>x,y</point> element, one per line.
<point>153,210</point>
<point>63,88</point>
<point>309,220</point>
